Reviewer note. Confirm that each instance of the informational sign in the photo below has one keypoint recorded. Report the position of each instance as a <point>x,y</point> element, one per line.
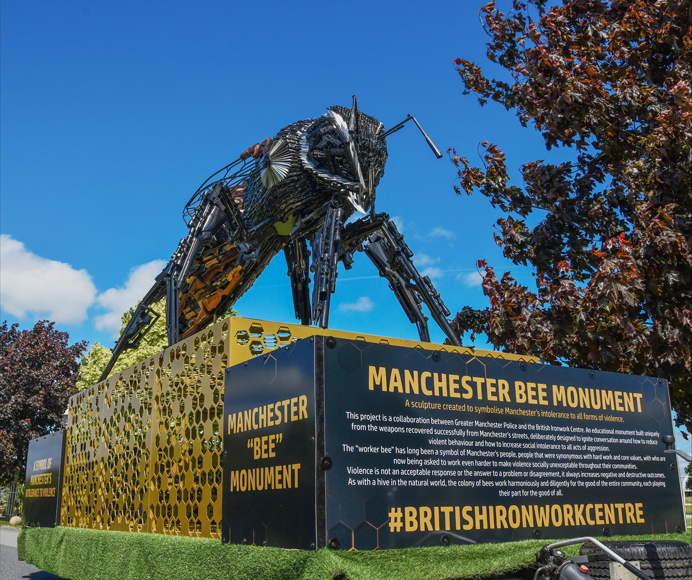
<point>434,447</point>
<point>44,480</point>
<point>371,446</point>
<point>269,450</point>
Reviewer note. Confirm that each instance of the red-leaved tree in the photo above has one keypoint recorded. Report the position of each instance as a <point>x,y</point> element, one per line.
<point>38,372</point>
<point>609,232</point>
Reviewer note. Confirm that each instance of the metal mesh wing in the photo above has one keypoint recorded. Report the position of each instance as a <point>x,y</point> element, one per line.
<point>246,174</point>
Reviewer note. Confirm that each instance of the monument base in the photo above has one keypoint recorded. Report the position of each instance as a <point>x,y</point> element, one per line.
<point>354,445</point>
<point>143,448</point>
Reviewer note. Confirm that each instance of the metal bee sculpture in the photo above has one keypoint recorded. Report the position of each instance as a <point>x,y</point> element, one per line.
<point>297,187</point>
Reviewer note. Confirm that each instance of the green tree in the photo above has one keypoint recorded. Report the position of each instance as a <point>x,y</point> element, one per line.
<point>38,372</point>
<point>92,364</point>
<point>153,342</point>
<point>98,356</point>
<point>607,232</point>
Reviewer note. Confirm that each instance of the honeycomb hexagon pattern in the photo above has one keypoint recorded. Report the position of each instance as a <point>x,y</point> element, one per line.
<point>143,449</point>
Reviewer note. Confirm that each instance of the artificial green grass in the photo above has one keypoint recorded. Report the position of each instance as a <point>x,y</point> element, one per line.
<point>80,554</point>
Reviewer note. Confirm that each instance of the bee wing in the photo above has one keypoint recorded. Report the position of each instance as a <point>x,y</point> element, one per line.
<point>246,171</point>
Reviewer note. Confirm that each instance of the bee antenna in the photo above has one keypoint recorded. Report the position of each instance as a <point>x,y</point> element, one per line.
<point>400,126</point>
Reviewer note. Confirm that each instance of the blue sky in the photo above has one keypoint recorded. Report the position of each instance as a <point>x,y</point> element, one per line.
<point>113,113</point>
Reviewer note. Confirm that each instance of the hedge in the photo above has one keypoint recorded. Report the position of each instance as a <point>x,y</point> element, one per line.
<point>82,554</point>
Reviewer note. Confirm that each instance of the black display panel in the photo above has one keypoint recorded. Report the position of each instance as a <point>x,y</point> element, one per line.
<point>429,448</point>
<point>43,481</point>
<point>269,450</point>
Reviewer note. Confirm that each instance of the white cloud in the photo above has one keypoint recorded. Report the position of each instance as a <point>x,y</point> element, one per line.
<point>440,232</point>
<point>422,260</point>
<point>363,304</point>
<point>42,287</point>
<point>399,223</point>
<point>433,272</point>
<point>119,300</point>
<point>471,279</point>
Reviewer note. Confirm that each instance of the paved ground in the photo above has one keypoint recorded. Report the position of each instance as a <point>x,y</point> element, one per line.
<point>10,567</point>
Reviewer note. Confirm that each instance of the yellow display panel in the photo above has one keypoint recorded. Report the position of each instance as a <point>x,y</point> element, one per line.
<point>143,448</point>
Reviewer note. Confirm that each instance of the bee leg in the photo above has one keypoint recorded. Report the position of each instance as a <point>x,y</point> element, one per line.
<point>325,256</point>
<point>297,255</point>
<point>141,321</point>
<point>380,252</point>
<point>392,258</point>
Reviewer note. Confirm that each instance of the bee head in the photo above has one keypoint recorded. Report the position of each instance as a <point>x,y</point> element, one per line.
<point>347,148</point>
